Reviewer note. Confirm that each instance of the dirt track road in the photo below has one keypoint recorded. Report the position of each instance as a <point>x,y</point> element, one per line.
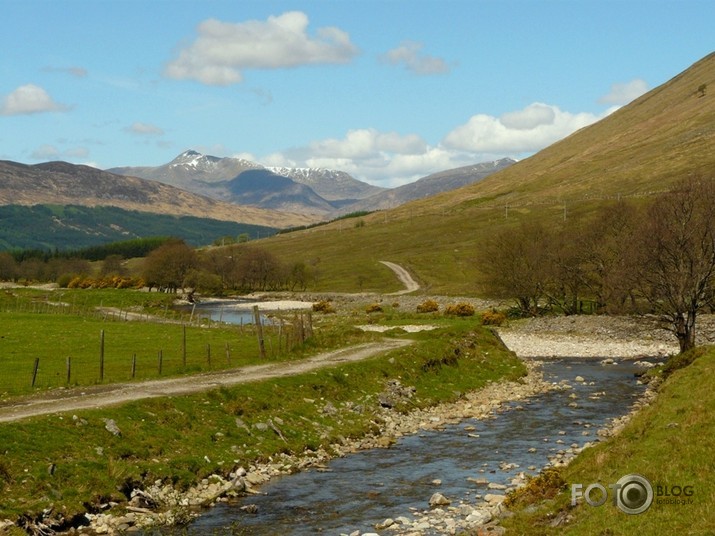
<point>106,395</point>
<point>404,276</point>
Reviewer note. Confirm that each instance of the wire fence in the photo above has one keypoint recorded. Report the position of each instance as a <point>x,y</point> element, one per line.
<point>113,347</point>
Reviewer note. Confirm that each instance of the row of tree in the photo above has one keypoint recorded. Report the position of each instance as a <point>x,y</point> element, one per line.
<point>628,258</point>
<point>238,267</point>
<point>171,264</point>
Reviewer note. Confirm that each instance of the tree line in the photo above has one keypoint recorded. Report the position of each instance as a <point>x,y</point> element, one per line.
<point>169,264</point>
<point>238,267</point>
<point>627,258</point>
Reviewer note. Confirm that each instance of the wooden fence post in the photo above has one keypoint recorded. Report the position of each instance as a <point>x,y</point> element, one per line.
<point>208,354</point>
<point>134,366</point>
<point>69,368</point>
<point>161,359</point>
<point>310,323</point>
<point>34,370</point>
<point>259,331</point>
<point>183,346</point>
<point>101,355</point>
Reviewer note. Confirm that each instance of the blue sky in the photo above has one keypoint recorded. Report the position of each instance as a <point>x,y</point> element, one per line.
<point>388,91</point>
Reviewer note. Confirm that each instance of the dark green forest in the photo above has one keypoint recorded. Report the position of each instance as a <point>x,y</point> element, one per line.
<point>71,227</point>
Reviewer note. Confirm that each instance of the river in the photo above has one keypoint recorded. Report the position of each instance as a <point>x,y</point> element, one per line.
<point>360,490</point>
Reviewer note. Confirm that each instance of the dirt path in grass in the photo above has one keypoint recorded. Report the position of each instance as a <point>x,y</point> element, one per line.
<point>91,397</point>
<point>404,276</point>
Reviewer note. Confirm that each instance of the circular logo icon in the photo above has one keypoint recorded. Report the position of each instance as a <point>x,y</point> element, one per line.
<point>634,494</point>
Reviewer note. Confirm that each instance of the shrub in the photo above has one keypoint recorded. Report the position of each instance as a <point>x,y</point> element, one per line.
<point>493,318</point>
<point>428,306</point>
<point>459,309</point>
<point>75,282</point>
<point>64,280</point>
<point>374,308</point>
<point>323,306</point>
<point>544,486</point>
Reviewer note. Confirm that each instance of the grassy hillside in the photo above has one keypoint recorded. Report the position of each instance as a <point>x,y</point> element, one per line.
<point>670,443</point>
<point>635,152</point>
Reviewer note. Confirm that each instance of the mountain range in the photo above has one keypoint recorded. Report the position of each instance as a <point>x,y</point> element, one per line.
<point>61,183</point>
<point>214,191</point>
<point>638,151</point>
<point>318,192</point>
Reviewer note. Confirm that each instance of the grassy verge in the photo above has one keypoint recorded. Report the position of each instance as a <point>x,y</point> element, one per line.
<point>71,462</point>
<point>671,443</point>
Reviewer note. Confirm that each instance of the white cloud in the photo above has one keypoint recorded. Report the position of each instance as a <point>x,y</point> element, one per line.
<point>367,144</point>
<point>387,158</point>
<point>223,50</point>
<point>77,152</point>
<point>409,55</point>
<point>45,152</point>
<point>531,117</point>
<point>144,129</point>
<point>392,159</point>
<point>245,156</point>
<point>622,94</point>
<point>29,99</point>
<point>77,72</point>
<point>523,131</point>
<point>49,152</point>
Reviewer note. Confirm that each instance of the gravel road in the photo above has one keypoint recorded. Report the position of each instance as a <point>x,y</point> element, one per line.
<point>100,396</point>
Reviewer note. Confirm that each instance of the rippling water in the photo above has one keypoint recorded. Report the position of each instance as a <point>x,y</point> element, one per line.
<point>363,489</point>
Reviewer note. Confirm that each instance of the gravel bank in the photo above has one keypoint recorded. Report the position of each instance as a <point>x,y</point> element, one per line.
<point>588,336</point>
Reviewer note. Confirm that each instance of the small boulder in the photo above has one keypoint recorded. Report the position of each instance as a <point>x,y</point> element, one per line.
<point>438,499</point>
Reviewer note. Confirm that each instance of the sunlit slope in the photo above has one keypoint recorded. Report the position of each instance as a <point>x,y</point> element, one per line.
<point>637,151</point>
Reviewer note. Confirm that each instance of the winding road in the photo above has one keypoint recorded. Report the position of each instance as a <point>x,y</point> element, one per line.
<point>97,396</point>
<point>404,276</point>
<point>92,397</point>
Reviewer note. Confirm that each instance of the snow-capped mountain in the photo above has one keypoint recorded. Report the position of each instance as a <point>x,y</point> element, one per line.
<point>318,192</point>
<point>191,171</point>
<point>210,175</point>
<point>330,184</point>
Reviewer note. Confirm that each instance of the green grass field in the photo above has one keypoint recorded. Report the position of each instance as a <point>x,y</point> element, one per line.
<point>183,439</point>
<point>36,325</point>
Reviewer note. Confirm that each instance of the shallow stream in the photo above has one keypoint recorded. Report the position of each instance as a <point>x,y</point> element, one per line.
<point>360,490</point>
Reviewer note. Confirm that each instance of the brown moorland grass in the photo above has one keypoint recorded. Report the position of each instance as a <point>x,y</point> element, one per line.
<point>634,153</point>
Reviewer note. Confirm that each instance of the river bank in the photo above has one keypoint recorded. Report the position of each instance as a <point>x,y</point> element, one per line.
<point>390,425</point>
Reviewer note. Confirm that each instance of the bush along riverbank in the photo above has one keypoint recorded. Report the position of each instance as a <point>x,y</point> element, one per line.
<point>159,461</point>
<point>669,443</point>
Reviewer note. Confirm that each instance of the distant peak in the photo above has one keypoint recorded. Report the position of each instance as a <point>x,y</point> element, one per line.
<point>190,152</point>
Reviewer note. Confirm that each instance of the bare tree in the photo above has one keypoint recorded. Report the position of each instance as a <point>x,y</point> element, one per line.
<point>167,266</point>
<point>607,244</point>
<point>8,267</point>
<point>113,265</point>
<point>259,269</point>
<point>676,256</point>
<point>514,265</point>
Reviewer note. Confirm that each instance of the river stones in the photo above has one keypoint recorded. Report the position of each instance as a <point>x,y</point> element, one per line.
<point>438,499</point>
